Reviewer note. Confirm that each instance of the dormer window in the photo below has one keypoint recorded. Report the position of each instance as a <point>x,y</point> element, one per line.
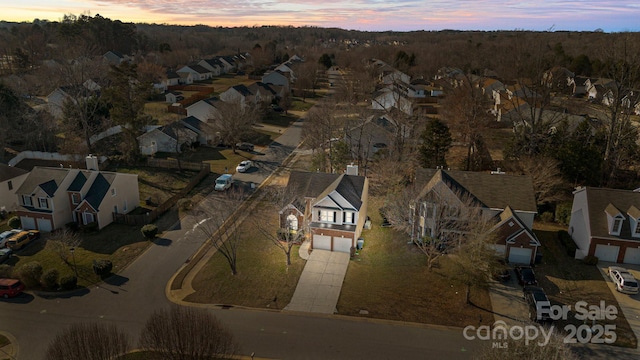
<point>615,219</point>
<point>617,225</point>
<point>636,232</point>
<point>26,200</point>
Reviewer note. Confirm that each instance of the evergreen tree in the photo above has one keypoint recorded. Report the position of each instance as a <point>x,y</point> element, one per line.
<point>436,142</point>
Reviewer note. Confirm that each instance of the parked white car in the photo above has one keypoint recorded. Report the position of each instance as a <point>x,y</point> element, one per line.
<point>5,236</point>
<point>244,166</point>
<point>625,282</point>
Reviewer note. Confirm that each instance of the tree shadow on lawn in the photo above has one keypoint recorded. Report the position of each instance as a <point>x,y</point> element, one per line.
<point>111,238</point>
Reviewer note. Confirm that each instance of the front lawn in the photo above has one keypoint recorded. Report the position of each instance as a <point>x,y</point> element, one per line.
<point>157,184</point>
<point>263,280</point>
<point>389,279</point>
<point>567,281</point>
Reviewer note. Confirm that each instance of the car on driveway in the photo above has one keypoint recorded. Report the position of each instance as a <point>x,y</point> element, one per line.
<point>4,236</point>
<point>10,287</point>
<point>245,146</point>
<point>538,302</point>
<point>5,254</point>
<point>244,166</point>
<point>19,240</point>
<point>526,276</point>
<point>624,281</point>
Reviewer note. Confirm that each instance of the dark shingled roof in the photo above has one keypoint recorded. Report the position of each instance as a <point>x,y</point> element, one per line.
<point>493,190</point>
<point>598,199</point>
<point>99,189</point>
<point>9,172</point>
<point>196,124</point>
<point>77,183</point>
<point>318,185</point>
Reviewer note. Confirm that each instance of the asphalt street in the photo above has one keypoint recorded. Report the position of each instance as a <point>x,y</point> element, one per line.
<point>130,297</point>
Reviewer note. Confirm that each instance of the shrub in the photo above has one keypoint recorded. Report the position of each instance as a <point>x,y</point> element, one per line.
<point>102,267</point>
<point>68,282</point>
<point>590,260</point>
<point>49,279</point>
<point>30,273</point>
<point>546,216</point>
<point>149,231</point>
<point>563,213</point>
<point>14,222</point>
<point>6,271</point>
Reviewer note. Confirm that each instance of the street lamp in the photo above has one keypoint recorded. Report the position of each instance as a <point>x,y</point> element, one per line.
<point>73,255</point>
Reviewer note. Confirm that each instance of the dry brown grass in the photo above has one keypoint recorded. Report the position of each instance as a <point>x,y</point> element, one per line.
<point>389,279</point>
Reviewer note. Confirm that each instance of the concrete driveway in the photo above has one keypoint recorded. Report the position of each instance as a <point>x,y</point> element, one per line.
<point>320,283</point>
<point>629,304</point>
<point>508,302</point>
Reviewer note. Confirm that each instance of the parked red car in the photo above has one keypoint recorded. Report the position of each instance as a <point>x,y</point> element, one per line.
<point>10,288</point>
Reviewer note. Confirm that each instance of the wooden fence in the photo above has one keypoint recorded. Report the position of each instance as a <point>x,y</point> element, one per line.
<point>152,215</point>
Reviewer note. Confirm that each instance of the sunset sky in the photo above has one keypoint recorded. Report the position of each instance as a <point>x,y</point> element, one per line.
<point>369,15</point>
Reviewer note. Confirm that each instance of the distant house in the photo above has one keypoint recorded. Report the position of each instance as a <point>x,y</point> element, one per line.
<point>214,65</point>
<point>11,178</point>
<point>49,198</point>
<point>507,199</point>
<point>114,58</point>
<point>238,94</point>
<point>606,223</point>
<point>377,134</point>
<point>331,208</point>
<point>277,78</point>
<point>204,131</point>
<point>169,138</point>
<point>205,110</point>
<point>57,98</point>
<point>172,79</point>
<point>198,73</point>
<point>263,93</point>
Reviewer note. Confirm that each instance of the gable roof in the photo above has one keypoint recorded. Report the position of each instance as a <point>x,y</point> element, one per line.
<point>495,191</point>
<point>195,124</point>
<point>9,172</point>
<point>77,183</point>
<point>46,178</point>
<point>318,185</point>
<point>510,227</point>
<point>99,189</point>
<point>242,90</point>
<point>601,201</point>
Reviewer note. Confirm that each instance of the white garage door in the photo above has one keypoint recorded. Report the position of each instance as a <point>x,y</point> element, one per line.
<point>632,256</point>
<point>44,225</point>
<point>520,255</point>
<point>500,249</point>
<point>28,223</point>
<point>342,244</point>
<point>607,252</point>
<point>322,242</point>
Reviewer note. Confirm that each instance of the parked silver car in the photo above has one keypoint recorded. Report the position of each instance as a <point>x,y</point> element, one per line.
<point>624,281</point>
<point>5,236</point>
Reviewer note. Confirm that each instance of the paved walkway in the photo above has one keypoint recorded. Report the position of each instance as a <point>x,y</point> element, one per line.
<point>508,302</point>
<point>319,285</point>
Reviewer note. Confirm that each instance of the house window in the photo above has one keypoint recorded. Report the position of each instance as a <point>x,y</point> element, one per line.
<point>292,222</point>
<point>637,231</point>
<point>75,199</point>
<point>113,192</point>
<point>124,208</point>
<point>617,225</point>
<point>327,216</point>
<point>348,217</point>
<point>43,203</point>
<point>10,184</point>
<point>115,209</point>
<point>26,200</point>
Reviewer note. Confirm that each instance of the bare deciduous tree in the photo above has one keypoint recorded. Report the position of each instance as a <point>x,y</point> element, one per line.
<point>233,121</point>
<point>184,333</point>
<point>286,235</point>
<point>217,220</point>
<point>63,241</point>
<point>83,341</point>
<point>548,184</point>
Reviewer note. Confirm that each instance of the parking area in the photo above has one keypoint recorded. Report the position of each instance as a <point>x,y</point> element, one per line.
<point>508,302</point>
<point>629,304</point>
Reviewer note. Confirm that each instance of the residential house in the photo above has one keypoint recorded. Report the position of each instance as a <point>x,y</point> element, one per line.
<point>606,223</point>
<point>507,200</point>
<point>50,198</point>
<point>214,65</point>
<point>330,208</point>
<point>277,78</point>
<point>58,97</point>
<point>377,134</point>
<point>114,58</point>
<point>169,138</point>
<point>11,178</point>
<point>172,79</point>
<point>204,131</point>
<point>205,110</point>
<point>238,94</point>
<point>264,93</point>
<point>198,73</point>
<point>228,64</point>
